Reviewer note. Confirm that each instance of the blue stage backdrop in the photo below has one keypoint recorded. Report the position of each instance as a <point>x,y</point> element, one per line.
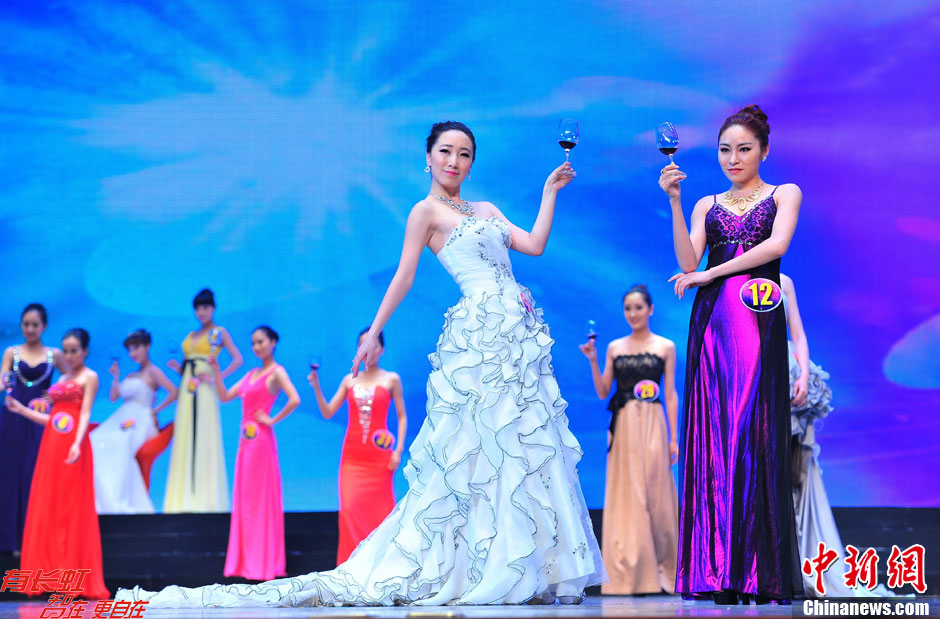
<point>272,151</point>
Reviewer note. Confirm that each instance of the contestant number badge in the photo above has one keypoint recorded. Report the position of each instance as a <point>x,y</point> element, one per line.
<point>646,390</point>
<point>63,423</point>
<point>383,439</point>
<point>761,295</point>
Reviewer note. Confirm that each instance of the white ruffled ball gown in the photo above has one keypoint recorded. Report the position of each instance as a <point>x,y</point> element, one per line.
<point>494,513</point>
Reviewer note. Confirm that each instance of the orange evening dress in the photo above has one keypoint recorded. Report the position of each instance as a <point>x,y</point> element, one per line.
<point>61,521</point>
<point>366,496</point>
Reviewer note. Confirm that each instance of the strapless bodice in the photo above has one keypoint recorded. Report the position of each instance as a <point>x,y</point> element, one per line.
<point>68,391</point>
<point>476,255</point>
<point>136,389</point>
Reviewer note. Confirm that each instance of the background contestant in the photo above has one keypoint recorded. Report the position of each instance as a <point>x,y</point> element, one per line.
<point>368,463</point>
<point>197,481</point>
<point>640,530</point>
<point>119,484</point>
<point>27,373</point>
<point>256,537</point>
<point>61,522</point>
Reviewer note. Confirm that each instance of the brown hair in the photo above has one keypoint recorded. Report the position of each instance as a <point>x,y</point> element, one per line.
<point>753,119</point>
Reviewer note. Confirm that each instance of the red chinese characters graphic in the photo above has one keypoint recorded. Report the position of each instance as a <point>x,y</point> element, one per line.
<point>110,609</point>
<point>72,581</point>
<point>822,562</point>
<point>863,569</point>
<point>16,580</point>
<point>907,568</point>
<point>63,607</point>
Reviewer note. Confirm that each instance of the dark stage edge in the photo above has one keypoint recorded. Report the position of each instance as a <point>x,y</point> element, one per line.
<point>157,550</point>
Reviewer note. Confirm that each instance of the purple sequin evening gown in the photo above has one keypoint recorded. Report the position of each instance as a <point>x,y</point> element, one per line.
<point>736,514</point>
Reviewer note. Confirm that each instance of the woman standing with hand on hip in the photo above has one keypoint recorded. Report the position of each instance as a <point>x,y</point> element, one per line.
<point>736,537</point>
<point>197,481</point>
<point>256,537</point>
<point>640,533</point>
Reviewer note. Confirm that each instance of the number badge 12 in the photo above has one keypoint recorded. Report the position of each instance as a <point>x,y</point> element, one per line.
<point>761,295</point>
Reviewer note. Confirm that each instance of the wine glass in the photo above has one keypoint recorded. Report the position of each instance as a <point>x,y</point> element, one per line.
<point>115,354</point>
<point>667,139</point>
<point>9,381</point>
<point>314,361</point>
<point>591,330</point>
<point>568,135</point>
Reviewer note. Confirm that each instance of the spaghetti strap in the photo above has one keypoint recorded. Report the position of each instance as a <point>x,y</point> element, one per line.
<point>774,191</point>
<point>715,196</point>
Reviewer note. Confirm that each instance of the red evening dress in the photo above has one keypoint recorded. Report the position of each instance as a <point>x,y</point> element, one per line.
<point>61,521</point>
<point>366,496</point>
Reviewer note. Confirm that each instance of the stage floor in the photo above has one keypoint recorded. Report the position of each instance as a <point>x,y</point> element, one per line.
<point>594,606</point>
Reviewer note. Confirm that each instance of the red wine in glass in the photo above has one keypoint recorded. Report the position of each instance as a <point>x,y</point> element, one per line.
<point>591,330</point>
<point>667,140</point>
<point>568,135</point>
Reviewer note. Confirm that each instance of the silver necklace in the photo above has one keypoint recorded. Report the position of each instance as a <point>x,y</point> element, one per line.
<point>464,208</point>
<point>46,374</point>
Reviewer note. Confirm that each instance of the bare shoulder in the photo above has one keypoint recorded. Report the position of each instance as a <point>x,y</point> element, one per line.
<point>666,345</point>
<point>785,281</point>
<point>704,203</point>
<point>788,191</point>
<point>617,346</point>
<point>423,209</point>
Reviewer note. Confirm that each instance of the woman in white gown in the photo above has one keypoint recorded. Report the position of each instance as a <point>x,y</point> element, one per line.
<point>119,485</point>
<point>494,513</point>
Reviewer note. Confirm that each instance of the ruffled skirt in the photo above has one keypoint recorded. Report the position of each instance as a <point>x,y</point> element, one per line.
<point>494,513</point>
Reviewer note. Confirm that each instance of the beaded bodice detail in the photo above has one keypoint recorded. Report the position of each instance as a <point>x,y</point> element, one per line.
<point>30,375</point>
<point>722,227</point>
<point>476,255</point>
<point>364,397</point>
<point>68,391</point>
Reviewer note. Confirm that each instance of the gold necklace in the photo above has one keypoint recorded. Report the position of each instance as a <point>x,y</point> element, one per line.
<point>735,201</point>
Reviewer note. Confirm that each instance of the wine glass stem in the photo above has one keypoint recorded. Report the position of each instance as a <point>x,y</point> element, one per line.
<point>670,160</point>
<point>567,152</point>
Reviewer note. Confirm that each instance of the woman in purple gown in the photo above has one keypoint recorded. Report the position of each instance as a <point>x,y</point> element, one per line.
<point>27,373</point>
<point>736,535</point>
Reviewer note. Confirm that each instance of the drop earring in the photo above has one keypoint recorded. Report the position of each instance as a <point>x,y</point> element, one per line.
<point>763,158</point>
<point>427,168</point>
<point>468,177</point>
